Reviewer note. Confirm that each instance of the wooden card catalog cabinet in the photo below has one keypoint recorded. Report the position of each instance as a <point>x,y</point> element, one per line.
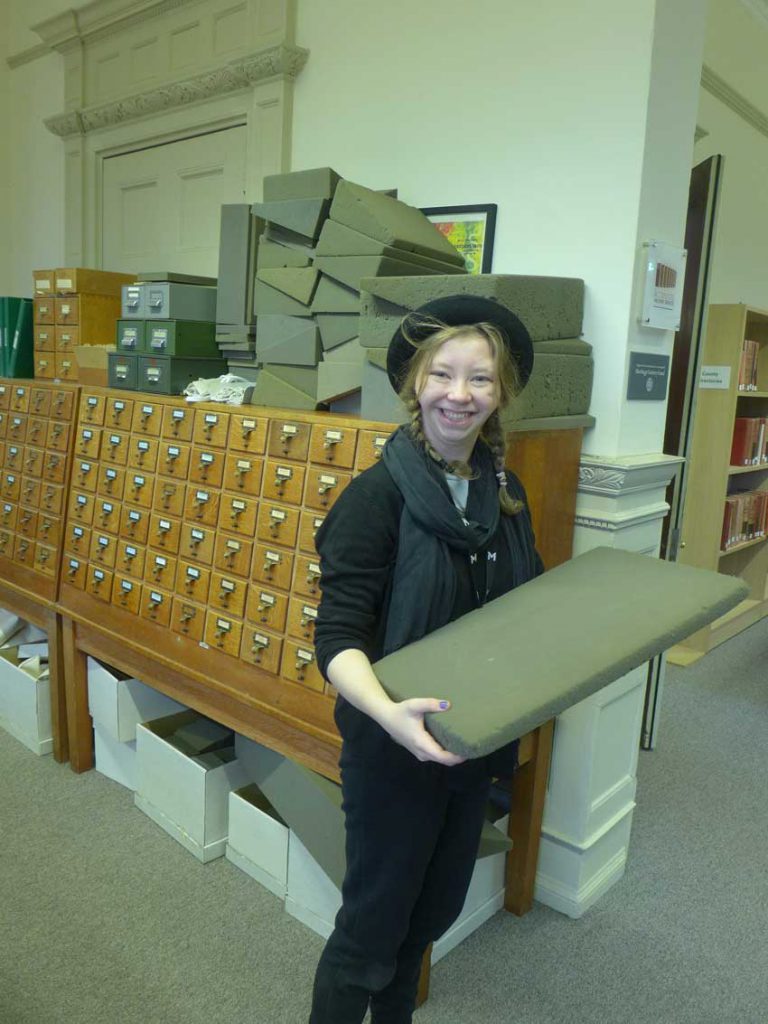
<point>199,522</point>
<point>37,432</point>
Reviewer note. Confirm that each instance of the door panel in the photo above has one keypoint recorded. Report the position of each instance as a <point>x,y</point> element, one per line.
<point>160,205</point>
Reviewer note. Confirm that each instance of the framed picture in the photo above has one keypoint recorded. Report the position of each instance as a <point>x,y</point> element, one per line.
<point>470,229</point>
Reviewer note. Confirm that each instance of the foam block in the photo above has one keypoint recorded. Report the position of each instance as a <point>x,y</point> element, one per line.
<point>303,378</point>
<point>272,254</point>
<point>300,350</point>
<point>270,390</point>
<point>303,216</point>
<point>338,240</point>
<point>331,297</point>
<point>390,221</point>
<point>560,385</point>
<point>349,270</point>
<point>378,401</point>
<point>282,236</point>
<point>273,331</point>
<point>336,328</point>
<point>550,307</point>
<point>297,282</point>
<point>334,380</point>
<point>527,656</point>
<point>316,182</point>
<point>267,299</point>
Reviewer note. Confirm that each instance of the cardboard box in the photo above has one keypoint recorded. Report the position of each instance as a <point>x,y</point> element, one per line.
<point>313,899</point>
<point>25,705</point>
<point>258,839</point>
<point>114,759</point>
<point>92,364</point>
<point>118,704</point>
<point>190,802</point>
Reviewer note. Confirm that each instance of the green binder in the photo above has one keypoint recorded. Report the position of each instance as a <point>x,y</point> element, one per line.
<point>3,322</point>
<point>21,360</point>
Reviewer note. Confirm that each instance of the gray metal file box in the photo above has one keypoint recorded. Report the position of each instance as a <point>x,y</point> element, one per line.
<point>169,375</point>
<point>122,370</point>
<point>181,338</point>
<point>159,300</point>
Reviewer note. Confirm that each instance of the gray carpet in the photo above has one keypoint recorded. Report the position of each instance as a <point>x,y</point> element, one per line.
<point>105,918</point>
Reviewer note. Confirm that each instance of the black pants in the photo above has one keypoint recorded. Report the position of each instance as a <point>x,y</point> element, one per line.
<point>412,832</point>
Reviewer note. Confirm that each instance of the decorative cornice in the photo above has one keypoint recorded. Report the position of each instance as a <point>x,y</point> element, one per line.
<point>739,104</point>
<point>612,523</point>
<point>27,56</point>
<point>278,61</point>
<point>626,474</point>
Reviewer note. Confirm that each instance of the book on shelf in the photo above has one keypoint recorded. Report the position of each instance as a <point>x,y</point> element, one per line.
<point>748,365</point>
<point>749,446</point>
<point>745,518</point>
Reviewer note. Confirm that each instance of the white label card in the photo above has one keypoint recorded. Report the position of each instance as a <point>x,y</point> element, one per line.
<point>715,378</point>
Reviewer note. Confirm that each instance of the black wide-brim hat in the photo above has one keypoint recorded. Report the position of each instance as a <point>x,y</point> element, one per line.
<point>459,311</point>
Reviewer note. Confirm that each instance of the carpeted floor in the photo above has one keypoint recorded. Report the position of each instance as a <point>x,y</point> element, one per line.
<point>105,918</point>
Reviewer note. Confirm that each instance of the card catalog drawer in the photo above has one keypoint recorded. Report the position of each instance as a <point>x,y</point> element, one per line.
<point>26,522</point>
<point>67,310</point>
<point>173,459</point>
<point>298,664</point>
<point>142,453</point>
<point>267,608</point>
<point>193,581</point>
<point>114,447</point>
<point>92,409</point>
<point>160,570</point>
<point>306,579</point>
<point>238,514</point>
<point>169,497</point>
<point>98,582</point>
<point>177,423</point>
<point>131,559</point>
<point>187,618</point>
<point>77,539</point>
<point>73,572</point>
<point>206,467</point>
<point>46,558</point>
<point>81,507</point>
<point>248,433</point>
<point>334,446</point>
<point>103,549</point>
<point>197,543</point>
<point>277,524</point>
<point>106,515</point>
<point>44,311</point>
<point>283,481</point>
<point>58,435</point>
<point>227,594</point>
<point>324,486</point>
<point>232,554</point>
<point>147,418</point>
<point>223,634</point>
<point>261,648</point>
<point>156,605</point>
<point>309,524</point>
<point>118,413</point>
<point>88,442</point>
<point>243,473</point>
<point>139,488</point>
<point>369,448</point>
<point>272,566</point>
<point>126,593</point>
<point>164,532</point>
<point>62,404</point>
<point>134,524</point>
<point>52,498</point>
<point>111,481</point>
<point>288,439</point>
<point>211,428</point>
<point>202,505</point>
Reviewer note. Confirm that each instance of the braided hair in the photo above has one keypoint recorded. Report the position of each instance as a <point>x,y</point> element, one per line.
<point>492,432</point>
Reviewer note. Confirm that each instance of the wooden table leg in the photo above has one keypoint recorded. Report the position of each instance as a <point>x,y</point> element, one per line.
<point>79,723</point>
<point>58,695</point>
<point>529,788</point>
<point>426,965</point>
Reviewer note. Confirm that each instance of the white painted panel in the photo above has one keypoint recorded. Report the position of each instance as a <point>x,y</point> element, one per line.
<point>229,27</point>
<point>145,59</point>
<point>186,46</point>
<point>161,205</point>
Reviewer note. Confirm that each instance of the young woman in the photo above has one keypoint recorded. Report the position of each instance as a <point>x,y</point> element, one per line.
<point>435,529</point>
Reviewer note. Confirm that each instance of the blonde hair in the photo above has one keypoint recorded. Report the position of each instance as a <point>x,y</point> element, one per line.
<point>426,346</point>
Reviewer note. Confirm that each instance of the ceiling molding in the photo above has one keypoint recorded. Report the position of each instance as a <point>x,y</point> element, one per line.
<point>101,18</point>
<point>739,104</point>
<point>27,56</point>
<point>284,61</point>
<point>759,8</point>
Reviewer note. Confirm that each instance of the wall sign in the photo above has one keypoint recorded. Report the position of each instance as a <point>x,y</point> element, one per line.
<point>663,279</point>
<point>648,376</point>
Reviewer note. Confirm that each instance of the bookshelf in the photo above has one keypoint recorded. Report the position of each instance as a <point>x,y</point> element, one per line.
<point>712,479</point>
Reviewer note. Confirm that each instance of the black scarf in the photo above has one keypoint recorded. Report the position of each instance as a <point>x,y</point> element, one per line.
<point>424,584</point>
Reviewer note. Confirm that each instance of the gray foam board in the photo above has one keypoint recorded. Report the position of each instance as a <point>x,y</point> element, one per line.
<point>281,236</point>
<point>297,282</point>
<point>550,307</point>
<point>336,328</point>
<point>390,221</point>
<point>348,352</point>
<point>338,240</point>
<point>267,299</point>
<point>248,371</point>
<point>272,254</point>
<point>272,391</point>
<point>275,330</point>
<point>303,378</point>
<point>299,350</point>
<point>331,297</point>
<point>377,400</point>
<point>349,405</point>
<point>349,270</point>
<point>318,182</point>
<point>238,240</point>
<point>636,605</point>
<point>303,216</point>
<point>334,380</point>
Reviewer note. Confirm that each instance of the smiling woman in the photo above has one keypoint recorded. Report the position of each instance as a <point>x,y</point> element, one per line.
<point>433,530</point>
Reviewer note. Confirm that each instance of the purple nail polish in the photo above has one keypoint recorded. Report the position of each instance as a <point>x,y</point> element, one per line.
<point>443,705</point>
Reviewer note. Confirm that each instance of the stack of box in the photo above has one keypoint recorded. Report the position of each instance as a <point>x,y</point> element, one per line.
<point>308,244</point>
<point>118,704</point>
<point>550,307</point>
<point>25,696</point>
<point>166,335</point>
<point>74,306</point>
<point>16,355</point>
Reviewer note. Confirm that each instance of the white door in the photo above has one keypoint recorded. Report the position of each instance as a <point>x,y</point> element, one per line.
<point>160,205</point>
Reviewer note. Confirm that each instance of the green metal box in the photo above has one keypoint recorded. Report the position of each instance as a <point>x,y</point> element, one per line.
<point>169,375</point>
<point>122,370</point>
<point>181,338</point>
<point>131,335</point>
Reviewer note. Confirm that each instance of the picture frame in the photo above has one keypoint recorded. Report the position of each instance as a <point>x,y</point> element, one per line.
<point>470,229</point>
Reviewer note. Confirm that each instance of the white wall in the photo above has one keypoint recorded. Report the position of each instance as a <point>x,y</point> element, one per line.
<point>541,108</point>
<point>736,49</point>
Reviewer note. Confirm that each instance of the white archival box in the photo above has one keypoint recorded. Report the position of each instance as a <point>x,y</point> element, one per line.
<point>25,707</point>
<point>118,705</point>
<point>115,759</point>
<point>258,841</point>
<point>186,799</point>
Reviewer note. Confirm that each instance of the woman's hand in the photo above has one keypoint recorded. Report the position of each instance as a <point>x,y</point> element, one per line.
<point>404,721</point>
